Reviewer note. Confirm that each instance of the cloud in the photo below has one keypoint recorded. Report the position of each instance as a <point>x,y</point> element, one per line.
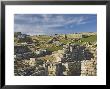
<point>26,19</point>
<point>47,19</point>
<point>43,23</point>
<point>30,29</point>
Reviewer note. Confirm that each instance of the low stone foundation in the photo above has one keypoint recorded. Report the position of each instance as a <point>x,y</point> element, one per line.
<point>88,68</point>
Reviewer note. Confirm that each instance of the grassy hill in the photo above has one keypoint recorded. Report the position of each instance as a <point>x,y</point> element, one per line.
<point>42,40</point>
<point>90,38</point>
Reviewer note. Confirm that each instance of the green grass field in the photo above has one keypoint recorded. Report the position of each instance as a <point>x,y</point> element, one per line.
<point>52,47</point>
<point>90,39</point>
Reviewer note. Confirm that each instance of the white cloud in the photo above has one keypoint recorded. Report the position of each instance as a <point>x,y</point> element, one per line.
<point>45,22</point>
<point>29,29</point>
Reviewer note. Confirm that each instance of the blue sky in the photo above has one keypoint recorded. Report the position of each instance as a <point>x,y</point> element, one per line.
<point>48,24</point>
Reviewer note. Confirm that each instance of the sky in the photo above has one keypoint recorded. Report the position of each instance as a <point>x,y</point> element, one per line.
<point>49,24</point>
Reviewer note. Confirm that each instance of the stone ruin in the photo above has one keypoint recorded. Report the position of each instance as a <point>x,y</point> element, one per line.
<point>79,60</point>
<point>74,60</point>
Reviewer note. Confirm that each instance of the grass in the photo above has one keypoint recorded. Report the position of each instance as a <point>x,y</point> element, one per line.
<point>65,41</point>
<point>55,48</point>
<point>90,39</point>
<point>44,38</point>
<point>52,47</point>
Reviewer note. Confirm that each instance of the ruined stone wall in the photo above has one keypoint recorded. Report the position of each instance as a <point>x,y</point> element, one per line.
<point>84,61</point>
<point>72,35</point>
<point>88,68</point>
<point>74,68</point>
